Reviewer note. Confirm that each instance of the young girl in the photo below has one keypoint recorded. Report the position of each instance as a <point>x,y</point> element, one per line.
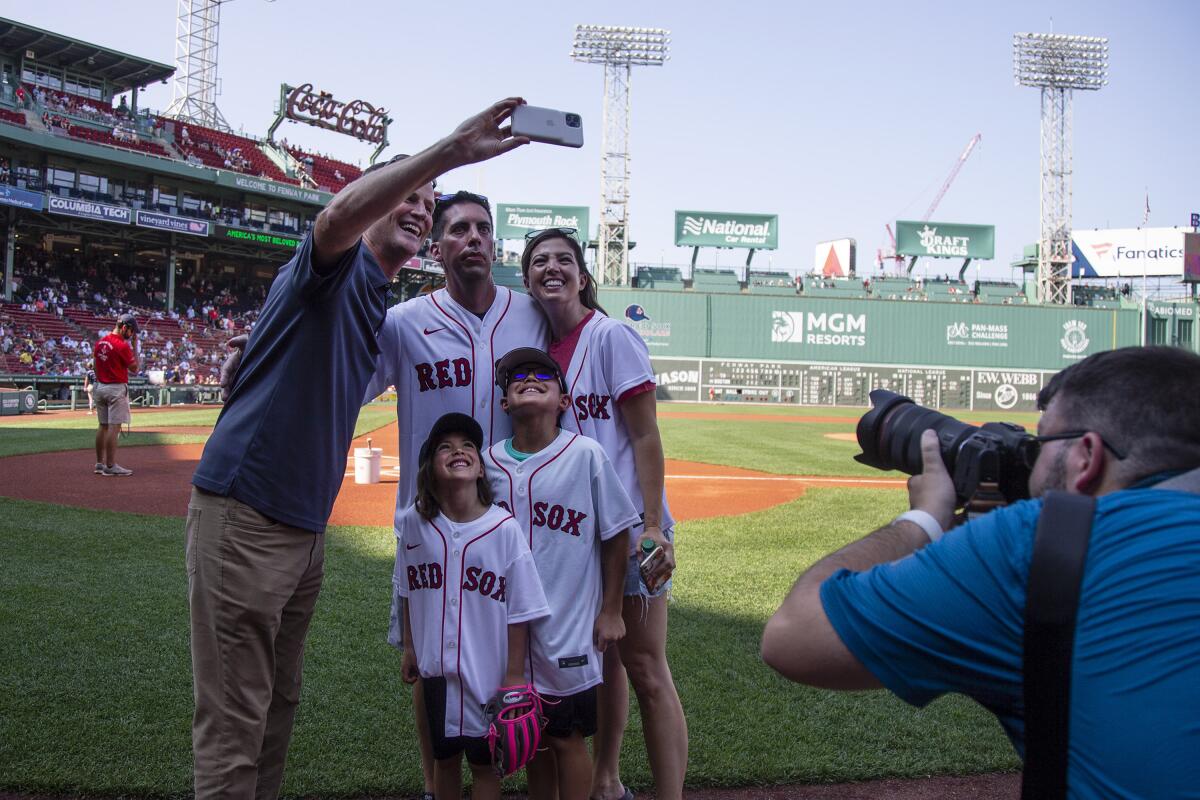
<point>569,501</point>
<point>471,589</point>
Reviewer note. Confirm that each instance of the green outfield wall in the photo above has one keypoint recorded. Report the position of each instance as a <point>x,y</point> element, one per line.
<point>828,351</point>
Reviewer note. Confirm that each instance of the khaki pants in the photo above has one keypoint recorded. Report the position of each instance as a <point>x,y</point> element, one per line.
<point>252,587</point>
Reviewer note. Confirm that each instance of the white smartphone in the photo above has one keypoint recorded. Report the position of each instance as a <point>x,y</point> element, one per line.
<point>547,125</point>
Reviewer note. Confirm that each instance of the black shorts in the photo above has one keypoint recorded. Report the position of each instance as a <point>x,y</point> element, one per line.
<point>575,712</point>
<point>476,747</point>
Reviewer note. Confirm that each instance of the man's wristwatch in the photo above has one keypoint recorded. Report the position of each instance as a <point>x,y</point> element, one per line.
<point>923,520</point>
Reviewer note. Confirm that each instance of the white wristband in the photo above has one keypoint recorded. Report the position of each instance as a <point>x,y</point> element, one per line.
<point>924,520</point>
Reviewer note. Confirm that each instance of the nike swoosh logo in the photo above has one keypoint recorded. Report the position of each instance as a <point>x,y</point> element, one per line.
<point>435,330</point>
<point>411,546</point>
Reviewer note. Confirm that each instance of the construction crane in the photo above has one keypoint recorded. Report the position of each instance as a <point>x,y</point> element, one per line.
<point>897,259</point>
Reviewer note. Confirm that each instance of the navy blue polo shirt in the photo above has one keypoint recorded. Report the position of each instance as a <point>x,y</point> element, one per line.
<point>281,440</point>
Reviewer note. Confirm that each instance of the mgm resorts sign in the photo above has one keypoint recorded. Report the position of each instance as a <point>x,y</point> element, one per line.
<point>358,118</point>
<point>723,229</point>
<point>945,240</point>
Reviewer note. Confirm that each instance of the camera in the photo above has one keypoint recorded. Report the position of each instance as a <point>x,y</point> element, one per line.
<point>999,453</point>
<point>573,121</point>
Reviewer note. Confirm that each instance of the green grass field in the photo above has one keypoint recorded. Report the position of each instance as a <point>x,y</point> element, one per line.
<point>95,684</point>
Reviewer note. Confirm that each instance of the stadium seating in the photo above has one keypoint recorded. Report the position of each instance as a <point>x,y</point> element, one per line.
<point>12,117</point>
<point>246,148</point>
<point>715,280</point>
<point>660,278</point>
<point>97,136</point>
<point>325,171</point>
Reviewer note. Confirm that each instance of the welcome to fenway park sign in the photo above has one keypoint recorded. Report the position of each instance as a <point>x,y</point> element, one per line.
<point>358,118</point>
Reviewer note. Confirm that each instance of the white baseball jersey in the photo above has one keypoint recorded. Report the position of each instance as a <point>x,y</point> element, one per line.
<point>567,498</point>
<point>442,358</point>
<point>609,360</point>
<point>465,584</point>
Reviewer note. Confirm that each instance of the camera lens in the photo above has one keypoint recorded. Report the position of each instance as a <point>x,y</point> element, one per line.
<point>573,120</point>
<point>890,433</point>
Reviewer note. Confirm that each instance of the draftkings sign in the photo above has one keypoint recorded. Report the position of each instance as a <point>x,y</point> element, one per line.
<point>945,240</point>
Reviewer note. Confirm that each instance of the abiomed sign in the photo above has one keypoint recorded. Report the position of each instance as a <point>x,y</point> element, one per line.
<point>513,222</point>
<point>723,229</point>
<point>945,240</point>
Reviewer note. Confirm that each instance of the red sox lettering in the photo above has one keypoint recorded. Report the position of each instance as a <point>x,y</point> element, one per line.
<point>484,582</point>
<point>592,405</point>
<point>556,517</point>
<point>444,374</point>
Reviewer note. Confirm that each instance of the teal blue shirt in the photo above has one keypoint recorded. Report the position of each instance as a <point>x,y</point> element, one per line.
<point>950,618</point>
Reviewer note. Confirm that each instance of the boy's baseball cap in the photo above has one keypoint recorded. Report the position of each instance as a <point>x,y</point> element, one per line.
<point>526,355</point>
<point>453,422</point>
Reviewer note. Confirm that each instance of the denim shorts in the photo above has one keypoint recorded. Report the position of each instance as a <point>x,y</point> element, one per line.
<point>634,585</point>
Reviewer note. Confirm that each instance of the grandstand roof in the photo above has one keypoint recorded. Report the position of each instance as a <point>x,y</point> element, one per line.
<point>120,69</point>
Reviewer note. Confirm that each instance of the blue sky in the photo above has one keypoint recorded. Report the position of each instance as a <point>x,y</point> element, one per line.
<point>837,117</point>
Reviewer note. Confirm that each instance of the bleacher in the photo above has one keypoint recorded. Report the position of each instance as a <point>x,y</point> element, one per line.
<point>98,136</point>
<point>771,283</point>
<point>844,288</point>
<point>715,280</point>
<point>12,117</point>
<point>231,143</point>
<point>662,278</point>
<point>325,170</point>
<point>508,275</point>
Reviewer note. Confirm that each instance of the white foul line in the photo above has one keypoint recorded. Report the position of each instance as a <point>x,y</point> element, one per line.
<point>789,478</point>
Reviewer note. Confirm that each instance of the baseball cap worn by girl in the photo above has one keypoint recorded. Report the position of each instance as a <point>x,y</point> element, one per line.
<point>453,422</point>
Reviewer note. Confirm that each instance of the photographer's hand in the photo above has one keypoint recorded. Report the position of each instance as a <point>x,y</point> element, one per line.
<point>933,490</point>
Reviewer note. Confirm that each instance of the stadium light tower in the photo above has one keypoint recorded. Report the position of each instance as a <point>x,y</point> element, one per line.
<point>1057,64</point>
<point>194,96</point>
<point>619,49</point>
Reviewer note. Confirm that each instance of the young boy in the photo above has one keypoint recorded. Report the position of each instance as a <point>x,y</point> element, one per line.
<point>570,504</point>
<point>471,589</point>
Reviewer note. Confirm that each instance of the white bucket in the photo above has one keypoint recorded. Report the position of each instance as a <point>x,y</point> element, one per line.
<point>366,464</point>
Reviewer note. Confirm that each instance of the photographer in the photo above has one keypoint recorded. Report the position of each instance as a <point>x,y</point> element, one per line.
<point>923,617</point>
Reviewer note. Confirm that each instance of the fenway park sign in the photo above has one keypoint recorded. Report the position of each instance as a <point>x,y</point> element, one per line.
<point>358,118</point>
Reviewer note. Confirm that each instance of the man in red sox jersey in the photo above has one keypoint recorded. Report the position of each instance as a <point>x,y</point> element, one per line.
<point>113,357</point>
<point>568,499</point>
<point>440,351</point>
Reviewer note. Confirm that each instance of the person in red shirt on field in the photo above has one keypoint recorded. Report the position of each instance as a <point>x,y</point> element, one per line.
<point>114,357</point>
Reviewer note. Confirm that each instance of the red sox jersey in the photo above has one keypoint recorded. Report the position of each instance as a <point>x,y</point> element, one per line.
<point>609,360</point>
<point>442,358</point>
<point>465,584</point>
<point>567,499</point>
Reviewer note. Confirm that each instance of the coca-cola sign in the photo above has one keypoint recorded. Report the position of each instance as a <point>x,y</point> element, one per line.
<point>358,118</point>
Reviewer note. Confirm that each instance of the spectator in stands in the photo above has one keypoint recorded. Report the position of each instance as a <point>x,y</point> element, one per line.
<point>114,358</point>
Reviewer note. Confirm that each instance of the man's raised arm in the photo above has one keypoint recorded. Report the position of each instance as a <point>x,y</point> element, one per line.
<point>340,225</point>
